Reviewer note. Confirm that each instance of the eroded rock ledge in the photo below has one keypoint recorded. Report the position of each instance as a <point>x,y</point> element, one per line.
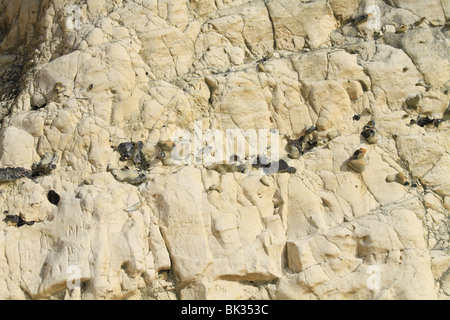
<point>95,94</point>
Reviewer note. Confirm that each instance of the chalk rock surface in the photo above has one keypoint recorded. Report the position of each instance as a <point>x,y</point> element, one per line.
<point>195,93</point>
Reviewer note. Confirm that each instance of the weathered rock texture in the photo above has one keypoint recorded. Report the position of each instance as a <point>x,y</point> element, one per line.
<point>80,77</point>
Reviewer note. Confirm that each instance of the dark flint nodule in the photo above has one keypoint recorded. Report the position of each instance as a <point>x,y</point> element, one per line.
<point>367,133</point>
<point>17,221</point>
<point>53,197</point>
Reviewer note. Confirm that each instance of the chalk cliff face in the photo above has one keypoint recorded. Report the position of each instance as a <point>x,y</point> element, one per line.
<point>113,184</point>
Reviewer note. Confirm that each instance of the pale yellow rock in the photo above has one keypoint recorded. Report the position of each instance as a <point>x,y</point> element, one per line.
<point>242,103</point>
<point>359,165</point>
<point>80,79</point>
<point>203,7</point>
<point>439,264</point>
<point>250,29</point>
<point>96,8</point>
<point>344,9</point>
<point>400,87</point>
<point>432,10</point>
<point>16,148</point>
<point>332,108</point>
<point>433,202</point>
<point>353,89</point>
<point>447,203</point>
<point>424,153</point>
<point>95,37</point>
<point>297,19</point>
<point>304,253</point>
<point>187,261</point>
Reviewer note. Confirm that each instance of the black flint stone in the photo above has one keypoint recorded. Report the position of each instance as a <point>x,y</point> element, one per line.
<point>53,197</point>
<point>367,133</point>
<point>426,121</point>
<point>18,221</point>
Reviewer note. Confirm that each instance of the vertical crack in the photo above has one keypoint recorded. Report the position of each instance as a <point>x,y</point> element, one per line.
<point>275,46</point>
